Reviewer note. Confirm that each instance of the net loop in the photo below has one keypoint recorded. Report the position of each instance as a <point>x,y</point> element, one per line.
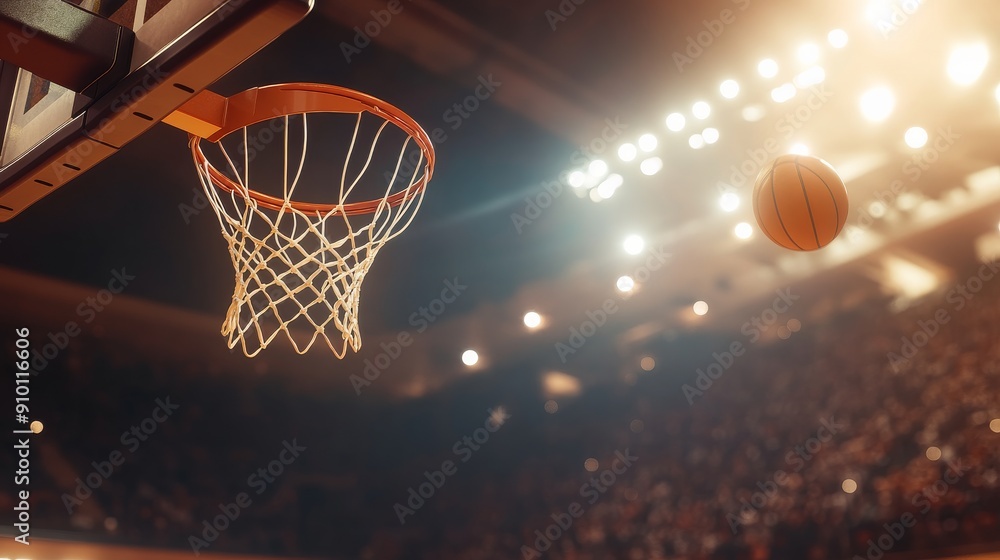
<point>299,266</point>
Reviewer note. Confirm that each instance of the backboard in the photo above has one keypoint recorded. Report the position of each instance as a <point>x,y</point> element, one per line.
<point>103,72</point>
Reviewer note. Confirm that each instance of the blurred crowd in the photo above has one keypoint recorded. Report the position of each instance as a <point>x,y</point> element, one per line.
<point>865,448</point>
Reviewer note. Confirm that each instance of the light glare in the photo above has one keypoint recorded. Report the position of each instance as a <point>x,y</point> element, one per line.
<point>651,166</point>
<point>625,284</point>
<point>701,110</point>
<point>743,230</point>
<point>634,244</point>
<point>577,179</point>
<point>808,53</point>
<point>729,89</point>
<point>799,150</point>
<point>837,38</point>
<point>532,320</point>
<point>647,142</point>
<point>729,202</point>
<point>696,141</point>
<point>700,308</point>
<point>967,63</point>
<point>627,152</point>
<point>710,135</point>
<point>783,93</point>
<point>877,104</point>
<point>812,76</point>
<point>768,68</point>
<point>675,122</point>
<point>598,168</point>
<point>470,357</point>
<point>916,137</point>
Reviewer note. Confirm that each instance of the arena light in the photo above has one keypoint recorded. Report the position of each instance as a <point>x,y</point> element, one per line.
<point>799,149</point>
<point>598,168</point>
<point>808,53</point>
<point>470,357</point>
<point>676,122</point>
<point>608,187</point>
<point>837,38</point>
<point>967,62</point>
<point>647,142</point>
<point>701,110</point>
<point>558,384</point>
<point>696,141</point>
<point>767,68</point>
<point>627,152</point>
<point>633,244</point>
<point>811,77</point>
<point>729,89</point>
<point>753,113</point>
<point>651,166</point>
<point>783,93</point>
<point>916,137</point>
<point>647,363</point>
<point>625,284</point>
<point>849,486</point>
<point>877,104</point>
<point>710,135</point>
<point>933,453</point>
<point>36,427</point>
<point>743,230</point>
<point>577,179</point>
<point>995,425</point>
<point>532,320</point>
<point>729,202</point>
<point>700,308</point>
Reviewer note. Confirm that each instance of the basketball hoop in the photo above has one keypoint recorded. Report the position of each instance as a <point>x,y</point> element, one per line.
<point>300,265</point>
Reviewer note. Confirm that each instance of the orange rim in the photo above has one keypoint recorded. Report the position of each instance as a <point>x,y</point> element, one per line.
<point>264,103</point>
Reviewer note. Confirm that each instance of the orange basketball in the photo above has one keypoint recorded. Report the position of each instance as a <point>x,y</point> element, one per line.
<point>800,202</point>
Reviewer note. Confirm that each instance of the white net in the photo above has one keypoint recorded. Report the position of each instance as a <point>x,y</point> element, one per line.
<point>299,273</point>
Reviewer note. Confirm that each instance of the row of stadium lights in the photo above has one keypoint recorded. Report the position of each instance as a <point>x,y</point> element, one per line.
<point>965,67</point>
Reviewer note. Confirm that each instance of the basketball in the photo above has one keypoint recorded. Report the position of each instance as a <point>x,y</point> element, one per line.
<point>800,202</point>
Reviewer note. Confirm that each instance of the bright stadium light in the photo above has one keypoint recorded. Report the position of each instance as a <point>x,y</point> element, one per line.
<point>837,38</point>
<point>799,149</point>
<point>811,77</point>
<point>697,141</point>
<point>675,122</point>
<point>634,244</point>
<point>470,357</point>
<point>700,308</point>
<point>967,63</point>
<point>710,135</point>
<point>916,137</point>
<point>729,202</point>
<point>609,186</point>
<point>729,89</point>
<point>783,93</point>
<point>701,110</point>
<point>768,68</point>
<point>743,230</point>
<point>598,168</point>
<point>627,152</point>
<point>808,53</point>
<point>877,104</point>
<point>577,179</point>
<point>651,166</point>
<point>625,284</point>
<point>647,142</point>
<point>532,320</point>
